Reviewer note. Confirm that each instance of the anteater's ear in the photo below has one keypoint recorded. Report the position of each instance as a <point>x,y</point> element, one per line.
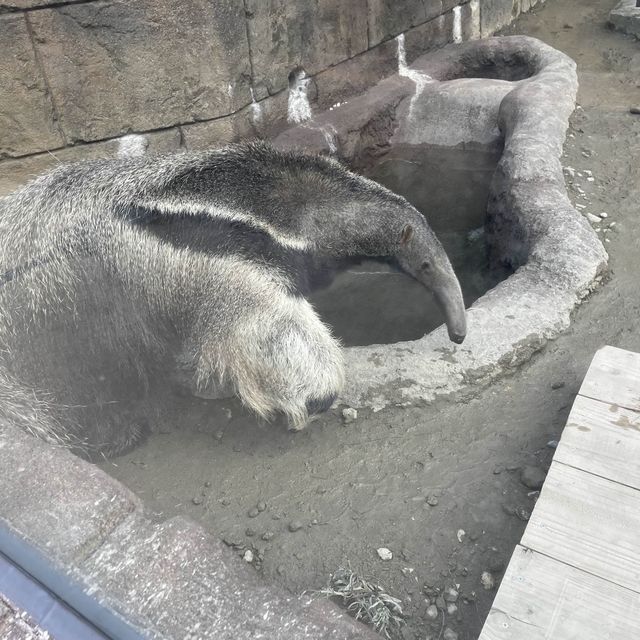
<point>406,235</point>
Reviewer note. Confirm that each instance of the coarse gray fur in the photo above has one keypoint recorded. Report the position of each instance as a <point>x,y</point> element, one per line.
<point>102,286</point>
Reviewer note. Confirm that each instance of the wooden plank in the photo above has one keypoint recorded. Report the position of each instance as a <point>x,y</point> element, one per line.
<point>543,599</point>
<point>590,523</point>
<point>614,377</point>
<point>603,439</point>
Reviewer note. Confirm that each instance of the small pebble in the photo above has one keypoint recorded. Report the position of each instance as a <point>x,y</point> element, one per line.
<point>295,525</point>
<point>261,506</point>
<point>249,532</point>
<point>432,612</point>
<point>523,514</point>
<point>196,500</point>
<point>225,502</point>
<point>532,477</point>
<point>267,535</point>
<point>432,501</point>
<point>248,556</point>
<point>461,533</point>
<point>253,512</point>
<point>452,608</point>
<point>591,218</point>
<point>552,444</point>
<point>349,415</point>
<point>384,553</point>
<point>451,595</point>
<point>280,569</point>
<point>449,634</point>
<point>557,385</point>
<point>634,110</point>
<point>487,580</point>
<point>498,469</point>
<point>207,484</point>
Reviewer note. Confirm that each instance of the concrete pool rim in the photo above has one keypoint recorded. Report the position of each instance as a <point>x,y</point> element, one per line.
<point>528,90</point>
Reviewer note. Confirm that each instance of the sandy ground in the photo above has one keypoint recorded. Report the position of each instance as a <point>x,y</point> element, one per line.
<point>354,488</point>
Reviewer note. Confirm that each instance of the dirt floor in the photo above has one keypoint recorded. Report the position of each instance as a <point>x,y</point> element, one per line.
<point>440,486</point>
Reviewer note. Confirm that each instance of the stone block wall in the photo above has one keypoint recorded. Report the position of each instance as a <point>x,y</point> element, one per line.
<point>77,74</point>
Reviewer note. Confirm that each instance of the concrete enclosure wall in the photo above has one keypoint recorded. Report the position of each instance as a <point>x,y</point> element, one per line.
<point>77,73</point>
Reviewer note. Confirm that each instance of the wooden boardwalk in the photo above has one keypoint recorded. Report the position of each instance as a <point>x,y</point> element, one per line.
<point>576,573</point>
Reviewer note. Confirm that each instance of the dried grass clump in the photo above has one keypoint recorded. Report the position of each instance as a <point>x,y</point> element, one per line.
<point>366,601</point>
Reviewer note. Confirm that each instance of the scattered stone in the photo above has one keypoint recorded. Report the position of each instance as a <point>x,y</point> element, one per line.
<point>570,171</point>
<point>295,525</point>
<point>460,534</point>
<point>591,218</point>
<point>253,512</point>
<point>407,571</point>
<point>451,595</point>
<point>349,415</point>
<point>432,612</point>
<point>452,609</point>
<point>225,502</point>
<point>523,514</point>
<point>248,556</point>
<point>384,553</point>
<point>432,501</point>
<point>249,532</point>
<point>552,444</point>
<point>280,569</point>
<point>532,477</point>
<point>557,385</point>
<point>261,506</point>
<point>449,634</point>
<point>487,580</point>
<point>219,435</point>
<point>634,110</point>
<point>207,484</point>
<point>267,535</point>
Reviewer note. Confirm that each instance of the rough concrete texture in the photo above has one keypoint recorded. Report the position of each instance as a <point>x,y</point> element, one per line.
<point>15,172</point>
<point>529,94</point>
<point>15,624</point>
<point>143,65</point>
<point>169,580</point>
<point>81,68</point>
<point>27,118</point>
<point>385,21</point>
<point>314,35</point>
<point>626,17</point>
<point>16,5</point>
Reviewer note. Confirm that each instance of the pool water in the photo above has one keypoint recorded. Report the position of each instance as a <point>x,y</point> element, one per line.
<point>374,304</point>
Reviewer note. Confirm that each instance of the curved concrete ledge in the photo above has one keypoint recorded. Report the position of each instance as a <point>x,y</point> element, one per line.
<point>515,91</point>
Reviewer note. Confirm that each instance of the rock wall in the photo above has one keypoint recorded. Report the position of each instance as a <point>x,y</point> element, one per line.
<point>75,75</point>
